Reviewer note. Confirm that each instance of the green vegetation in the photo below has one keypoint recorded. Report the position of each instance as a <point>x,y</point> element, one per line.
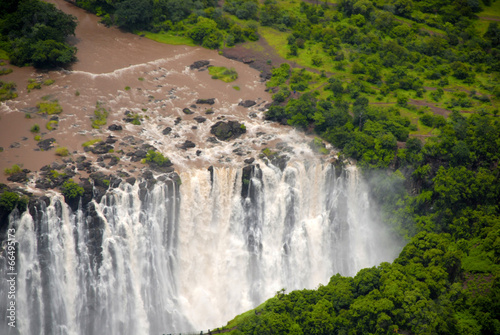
<point>49,107</point>
<point>223,73</point>
<point>33,85</point>
<point>7,90</point>
<point>169,38</point>
<point>155,157</point>
<point>34,32</point>
<point>71,190</point>
<point>91,142</point>
<point>4,71</point>
<point>12,170</point>
<point>35,129</point>
<point>51,125</point>
<point>100,116</point>
<point>10,200</point>
<point>62,151</point>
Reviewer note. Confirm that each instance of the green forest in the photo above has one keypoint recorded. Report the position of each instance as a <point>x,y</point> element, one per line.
<point>407,89</point>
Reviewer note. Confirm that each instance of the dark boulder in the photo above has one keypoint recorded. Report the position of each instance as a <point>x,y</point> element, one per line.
<point>46,144</point>
<point>101,148</point>
<point>227,130</point>
<point>199,64</point>
<point>115,127</point>
<point>210,101</point>
<point>19,177</point>
<point>247,103</point>
<point>187,145</point>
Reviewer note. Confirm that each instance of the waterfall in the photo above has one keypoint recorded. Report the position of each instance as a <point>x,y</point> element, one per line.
<point>165,256</point>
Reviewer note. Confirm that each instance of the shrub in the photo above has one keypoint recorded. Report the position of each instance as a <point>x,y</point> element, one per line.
<point>154,157</point>
<point>8,201</point>
<point>91,142</point>
<point>32,85</point>
<point>51,124</point>
<point>13,170</point>
<point>71,190</point>
<point>100,116</point>
<point>35,128</point>
<point>62,151</point>
<point>49,107</point>
<point>223,73</point>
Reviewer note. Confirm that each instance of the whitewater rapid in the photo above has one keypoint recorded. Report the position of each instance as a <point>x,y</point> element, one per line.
<point>170,256</point>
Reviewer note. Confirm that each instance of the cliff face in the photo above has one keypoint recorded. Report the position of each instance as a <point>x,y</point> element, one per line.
<point>164,250</point>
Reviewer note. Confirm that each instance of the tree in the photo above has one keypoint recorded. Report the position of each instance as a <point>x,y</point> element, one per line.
<point>134,14</point>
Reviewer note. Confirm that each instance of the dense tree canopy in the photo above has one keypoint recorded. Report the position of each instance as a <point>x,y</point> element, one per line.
<point>35,32</point>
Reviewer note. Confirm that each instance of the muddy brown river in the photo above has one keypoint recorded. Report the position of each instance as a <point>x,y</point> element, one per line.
<point>126,73</point>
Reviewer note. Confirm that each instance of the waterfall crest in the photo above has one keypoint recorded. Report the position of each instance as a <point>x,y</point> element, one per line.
<point>163,256</point>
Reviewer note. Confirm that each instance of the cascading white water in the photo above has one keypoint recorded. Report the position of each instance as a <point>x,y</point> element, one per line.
<point>158,258</point>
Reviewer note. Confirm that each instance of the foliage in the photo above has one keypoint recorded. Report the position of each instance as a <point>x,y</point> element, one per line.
<point>100,116</point>
<point>7,91</point>
<point>8,201</point>
<point>49,107</point>
<point>71,190</point>
<point>62,151</point>
<point>12,170</point>
<point>223,73</point>
<point>35,33</point>
<point>91,142</point>
<point>155,157</point>
<point>35,128</point>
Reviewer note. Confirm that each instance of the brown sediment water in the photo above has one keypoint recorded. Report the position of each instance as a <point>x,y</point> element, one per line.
<point>126,72</point>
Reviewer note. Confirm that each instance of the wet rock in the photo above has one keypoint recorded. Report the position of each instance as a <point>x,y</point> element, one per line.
<point>101,148</point>
<point>200,119</point>
<point>212,139</point>
<point>210,101</point>
<point>199,65</point>
<point>15,145</point>
<point>166,131</point>
<point>187,111</point>
<point>114,161</point>
<point>19,177</point>
<point>247,103</point>
<point>46,144</point>
<point>140,154</point>
<point>249,160</point>
<point>111,139</point>
<point>115,127</point>
<point>187,145</point>
<point>100,179</point>
<point>227,130</point>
